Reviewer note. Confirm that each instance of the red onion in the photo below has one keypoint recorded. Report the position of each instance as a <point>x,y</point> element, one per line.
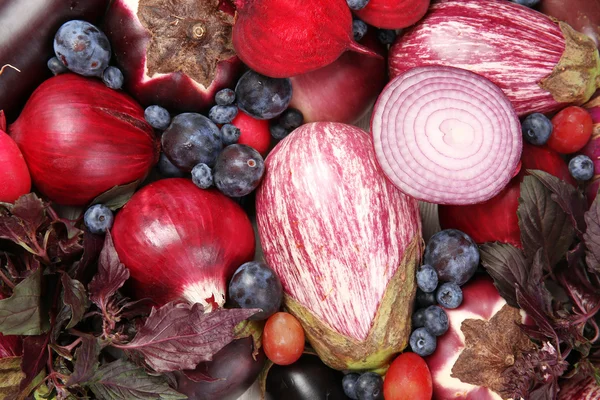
<point>495,220</point>
<point>592,149</point>
<point>343,91</point>
<point>281,39</point>
<point>80,139</point>
<point>393,14</point>
<point>179,241</point>
<point>173,53</point>
<point>344,242</point>
<point>539,63</point>
<point>14,175</point>
<point>446,135</point>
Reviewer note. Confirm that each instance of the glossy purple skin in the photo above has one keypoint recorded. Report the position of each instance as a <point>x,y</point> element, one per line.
<point>26,32</point>
<point>130,40</point>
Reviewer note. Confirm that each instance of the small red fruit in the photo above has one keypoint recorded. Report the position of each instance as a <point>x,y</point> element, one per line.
<point>408,378</point>
<point>283,339</point>
<point>255,132</point>
<point>15,180</point>
<point>572,130</point>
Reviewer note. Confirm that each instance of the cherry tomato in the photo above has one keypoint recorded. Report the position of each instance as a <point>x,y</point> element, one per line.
<point>408,378</point>
<point>255,132</point>
<point>572,130</point>
<point>283,339</point>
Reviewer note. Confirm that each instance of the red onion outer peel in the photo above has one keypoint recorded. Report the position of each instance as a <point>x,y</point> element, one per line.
<point>281,39</point>
<point>175,91</point>
<point>446,135</point>
<point>393,14</point>
<point>592,149</point>
<point>80,139</point>
<point>538,63</point>
<point>345,90</point>
<point>15,180</point>
<point>496,219</point>
<point>344,242</point>
<point>179,241</point>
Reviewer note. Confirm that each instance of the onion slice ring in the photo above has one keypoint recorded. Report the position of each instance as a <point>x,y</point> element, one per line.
<point>446,135</point>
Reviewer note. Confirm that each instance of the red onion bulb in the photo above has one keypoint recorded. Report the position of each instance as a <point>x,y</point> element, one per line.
<point>446,135</point>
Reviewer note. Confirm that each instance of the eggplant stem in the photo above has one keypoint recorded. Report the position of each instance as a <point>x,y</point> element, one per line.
<point>8,66</point>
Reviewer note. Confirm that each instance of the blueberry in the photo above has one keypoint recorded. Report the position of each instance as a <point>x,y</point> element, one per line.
<point>527,3</point>
<point>449,295</point>
<point>222,114</point>
<point>238,170</point>
<point>158,117</point>
<point>581,168</point>
<point>423,299</point>
<point>386,36</point>
<point>359,29</point>
<point>427,279</point>
<point>230,134</point>
<point>192,139</point>
<point>536,129</point>
<point>225,97</point>
<point>113,78</point>
<point>436,320</point>
<point>291,119</point>
<point>349,384</point>
<point>98,219</point>
<point>422,342</point>
<point>278,132</point>
<point>255,285</point>
<point>167,169</point>
<point>418,318</point>
<point>369,386</point>
<point>357,4</point>
<point>82,48</point>
<point>56,67</point>
<point>453,254</point>
<point>202,176</point>
<point>262,97</point>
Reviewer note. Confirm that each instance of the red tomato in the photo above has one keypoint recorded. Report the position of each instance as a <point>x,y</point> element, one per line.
<point>255,132</point>
<point>283,339</point>
<point>408,378</point>
<point>15,180</point>
<point>572,130</point>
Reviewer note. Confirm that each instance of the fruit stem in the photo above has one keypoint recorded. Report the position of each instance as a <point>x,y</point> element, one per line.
<point>354,46</point>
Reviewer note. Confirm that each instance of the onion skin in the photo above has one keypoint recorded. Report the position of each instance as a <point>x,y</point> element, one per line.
<point>582,15</point>
<point>179,241</point>
<point>26,32</point>
<point>175,91</point>
<point>345,90</point>
<point>516,48</point>
<point>15,180</point>
<point>80,139</point>
<point>282,39</point>
<point>496,219</point>
<point>592,149</point>
<point>343,241</point>
<point>393,14</point>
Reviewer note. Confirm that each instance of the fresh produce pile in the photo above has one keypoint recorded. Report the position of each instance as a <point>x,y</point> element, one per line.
<point>188,208</point>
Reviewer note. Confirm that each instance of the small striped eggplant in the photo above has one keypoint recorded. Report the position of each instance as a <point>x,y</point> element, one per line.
<point>580,387</point>
<point>344,241</point>
<point>540,64</point>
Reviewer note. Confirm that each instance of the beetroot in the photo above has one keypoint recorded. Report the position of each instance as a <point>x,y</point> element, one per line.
<point>176,54</point>
<point>281,39</point>
<point>393,14</point>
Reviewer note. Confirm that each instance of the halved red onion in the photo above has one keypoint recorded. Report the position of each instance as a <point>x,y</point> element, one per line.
<point>446,135</point>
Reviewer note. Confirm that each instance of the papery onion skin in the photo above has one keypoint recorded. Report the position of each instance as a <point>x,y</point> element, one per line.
<point>182,242</point>
<point>393,14</point>
<point>495,220</point>
<point>446,135</point>
<point>344,242</point>
<point>80,139</point>
<point>345,90</point>
<point>592,149</point>
<point>515,47</point>
<point>175,91</point>
<point>282,39</point>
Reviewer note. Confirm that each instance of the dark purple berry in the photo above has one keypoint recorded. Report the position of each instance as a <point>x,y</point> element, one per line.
<point>82,47</point>
<point>113,78</point>
<point>238,170</point>
<point>225,97</point>
<point>222,114</point>
<point>262,97</point>
<point>255,285</point>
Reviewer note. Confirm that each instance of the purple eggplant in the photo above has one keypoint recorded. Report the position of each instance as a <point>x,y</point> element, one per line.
<point>27,29</point>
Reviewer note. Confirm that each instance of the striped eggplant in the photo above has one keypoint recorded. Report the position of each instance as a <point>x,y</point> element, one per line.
<point>580,387</point>
<point>541,64</point>
<point>344,241</point>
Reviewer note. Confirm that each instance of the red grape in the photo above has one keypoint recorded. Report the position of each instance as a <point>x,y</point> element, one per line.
<point>572,130</point>
<point>283,339</point>
<point>408,378</point>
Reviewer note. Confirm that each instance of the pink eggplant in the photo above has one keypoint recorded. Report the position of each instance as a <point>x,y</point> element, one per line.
<point>539,63</point>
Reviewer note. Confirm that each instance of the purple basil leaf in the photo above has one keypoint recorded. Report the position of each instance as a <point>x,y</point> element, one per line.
<point>20,222</point>
<point>591,236</point>
<point>23,312</point>
<point>542,222</point>
<point>31,210</point>
<point>83,269</point>
<point>507,266</point>
<point>124,380</point>
<point>35,356</point>
<point>111,275</point>
<point>61,245</point>
<point>137,308</point>
<point>74,296</point>
<point>86,361</point>
<point>535,310</point>
<point>179,336</point>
